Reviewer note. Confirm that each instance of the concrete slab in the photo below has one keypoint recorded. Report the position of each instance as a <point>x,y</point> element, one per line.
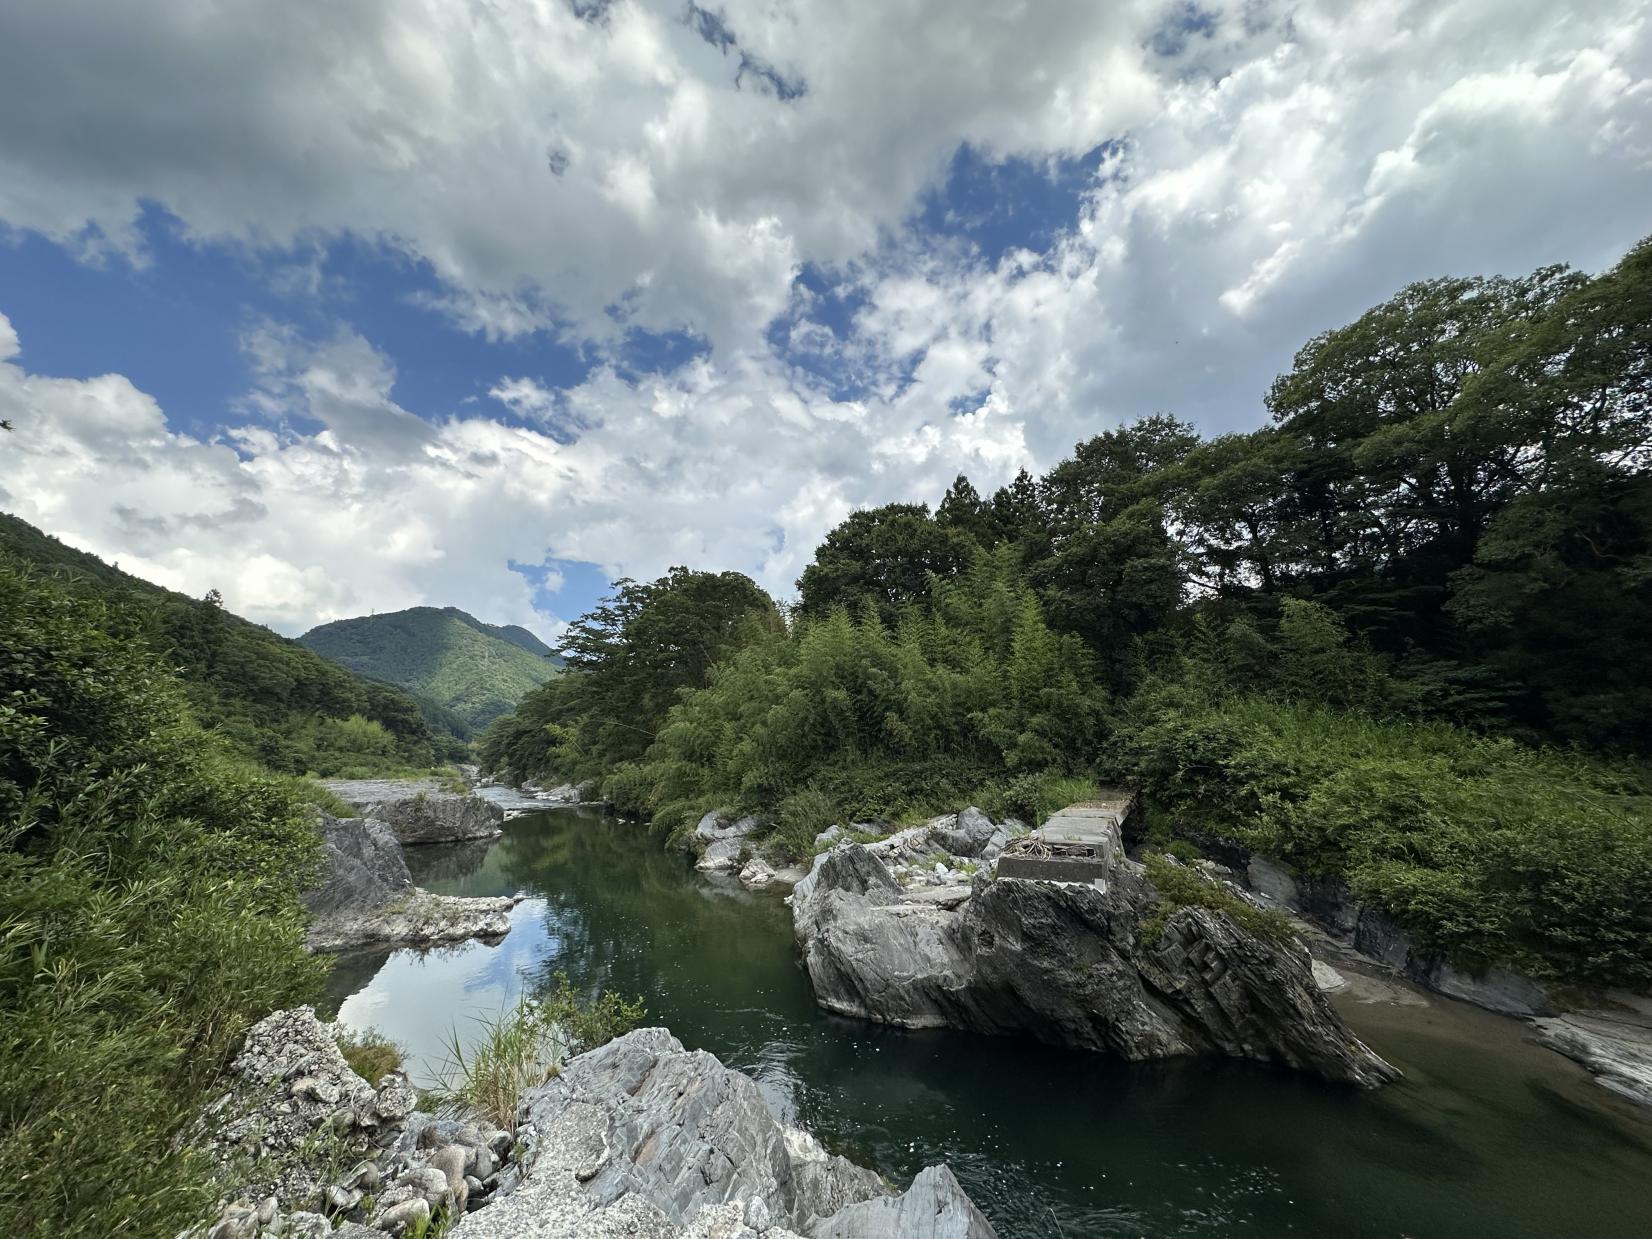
<point>1054,868</point>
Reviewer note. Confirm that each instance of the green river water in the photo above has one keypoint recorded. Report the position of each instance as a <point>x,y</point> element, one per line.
<point>1488,1135</point>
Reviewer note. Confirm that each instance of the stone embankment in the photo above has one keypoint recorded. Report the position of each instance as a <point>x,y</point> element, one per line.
<point>1086,953</point>
<point>644,1138</point>
<point>638,1138</point>
<point>367,895</point>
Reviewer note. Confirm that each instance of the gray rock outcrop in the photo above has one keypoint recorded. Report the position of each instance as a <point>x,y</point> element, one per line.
<point>721,841</point>
<point>419,811</point>
<point>1071,963</point>
<point>367,896</point>
<point>1615,1047</point>
<point>439,817</point>
<point>644,1138</point>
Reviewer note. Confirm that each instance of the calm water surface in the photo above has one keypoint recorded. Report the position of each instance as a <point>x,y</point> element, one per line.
<point>1488,1136</point>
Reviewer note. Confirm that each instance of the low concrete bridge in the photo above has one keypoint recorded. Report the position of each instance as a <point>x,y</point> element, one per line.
<point>1080,843</point>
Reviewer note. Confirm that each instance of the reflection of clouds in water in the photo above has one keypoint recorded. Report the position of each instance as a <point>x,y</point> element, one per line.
<point>423,999</point>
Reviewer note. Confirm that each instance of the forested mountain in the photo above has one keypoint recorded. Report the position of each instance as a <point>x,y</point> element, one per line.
<point>275,701</point>
<point>471,671</point>
<point>1396,637</point>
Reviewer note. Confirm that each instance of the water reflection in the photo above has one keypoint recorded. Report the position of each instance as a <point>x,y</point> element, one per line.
<point>1488,1136</point>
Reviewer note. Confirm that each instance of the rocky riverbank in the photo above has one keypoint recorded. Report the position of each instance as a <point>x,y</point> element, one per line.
<point>1610,1035</point>
<point>636,1138</point>
<point>302,1144</point>
<point>1104,962</point>
<point>642,1137</point>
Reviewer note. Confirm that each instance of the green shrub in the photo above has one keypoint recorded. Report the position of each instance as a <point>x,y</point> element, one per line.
<point>148,914</point>
<point>803,815</point>
<point>370,1053</point>
<point>588,1023</point>
<point>1485,851</point>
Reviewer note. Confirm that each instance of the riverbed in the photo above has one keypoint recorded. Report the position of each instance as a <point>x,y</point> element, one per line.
<point>1488,1136</point>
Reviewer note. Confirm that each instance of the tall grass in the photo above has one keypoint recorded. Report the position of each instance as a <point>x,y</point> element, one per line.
<point>516,1050</point>
<point>370,1053</point>
<point>521,1048</point>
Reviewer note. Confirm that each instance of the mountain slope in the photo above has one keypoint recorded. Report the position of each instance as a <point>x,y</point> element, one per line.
<point>277,701</point>
<point>474,670</point>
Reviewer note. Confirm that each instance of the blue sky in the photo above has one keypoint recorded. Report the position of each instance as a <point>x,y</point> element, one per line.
<point>351,308</point>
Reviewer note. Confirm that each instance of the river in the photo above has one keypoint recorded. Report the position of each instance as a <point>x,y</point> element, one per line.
<point>1488,1135</point>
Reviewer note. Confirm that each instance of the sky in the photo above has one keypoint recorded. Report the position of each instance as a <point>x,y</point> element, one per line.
<point>341,308</point>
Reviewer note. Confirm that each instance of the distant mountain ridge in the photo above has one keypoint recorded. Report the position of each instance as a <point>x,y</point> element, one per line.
<point>469,670</point>
<point>270,697</point>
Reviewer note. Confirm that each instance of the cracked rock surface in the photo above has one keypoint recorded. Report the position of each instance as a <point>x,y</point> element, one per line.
<point>644,1138</point>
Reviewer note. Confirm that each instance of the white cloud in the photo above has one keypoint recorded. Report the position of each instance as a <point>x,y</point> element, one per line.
<point>297,527</point>
<point>1270,174</point>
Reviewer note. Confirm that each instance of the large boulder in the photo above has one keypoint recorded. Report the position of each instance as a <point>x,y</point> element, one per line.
<point>1079,964</point>
<point>643,1137</point>
<point>364,867</point>
<point>366,895</point>
<point>439,817</point>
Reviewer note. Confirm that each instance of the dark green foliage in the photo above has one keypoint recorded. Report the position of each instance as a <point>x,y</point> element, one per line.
<point>801,817</point>
<point>890,557</point>
<point>468,672</point>
<point>148,913</point>
<point>1484,851</point>
<point>627,662</point>
<point>275,701</point>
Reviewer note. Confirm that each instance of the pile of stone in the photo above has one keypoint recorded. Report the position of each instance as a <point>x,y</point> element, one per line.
<point>644,1138</point>
<point>305,1145</point>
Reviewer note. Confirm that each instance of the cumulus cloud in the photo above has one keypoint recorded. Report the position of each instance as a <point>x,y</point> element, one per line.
<point>297,526</point>
<point>1252,172</point>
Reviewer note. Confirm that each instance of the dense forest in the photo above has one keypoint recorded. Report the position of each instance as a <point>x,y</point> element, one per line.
<point>469,671</point>
<point>275,702</point>
<point>1397,636</point>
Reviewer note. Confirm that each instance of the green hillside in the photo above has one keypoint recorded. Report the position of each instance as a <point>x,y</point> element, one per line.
<point>274,700</point>
<point>473,671</point>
